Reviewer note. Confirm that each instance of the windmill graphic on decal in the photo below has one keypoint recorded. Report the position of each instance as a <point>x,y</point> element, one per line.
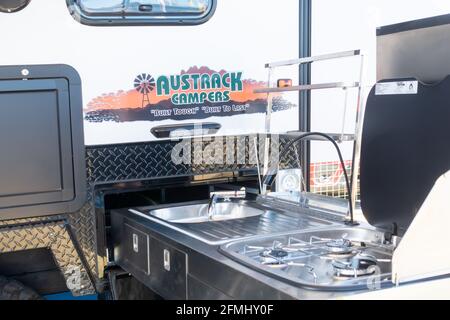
<point>144,84</point>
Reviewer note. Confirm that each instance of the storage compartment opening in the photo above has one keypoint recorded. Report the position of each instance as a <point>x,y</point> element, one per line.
<point>175,192</point>
<point>156,196</point>
<point>35,268</point>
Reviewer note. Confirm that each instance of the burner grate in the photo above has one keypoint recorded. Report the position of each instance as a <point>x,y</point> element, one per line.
<point>318,247</point>
<point>343,258</point>
<point>347,257</point>
<point>358,266</point>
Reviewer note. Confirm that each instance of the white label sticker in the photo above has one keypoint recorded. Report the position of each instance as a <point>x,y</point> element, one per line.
<point>401,87</point>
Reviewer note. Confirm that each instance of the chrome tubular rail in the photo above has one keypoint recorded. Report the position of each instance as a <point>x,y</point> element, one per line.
<point>356,137</point>
<point>331,85</point>
<point>330,56</point>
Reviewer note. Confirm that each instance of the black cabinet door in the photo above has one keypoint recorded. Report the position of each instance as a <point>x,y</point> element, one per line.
<point>42,169</point>
<point>136,248</point>
<point>169,270</point>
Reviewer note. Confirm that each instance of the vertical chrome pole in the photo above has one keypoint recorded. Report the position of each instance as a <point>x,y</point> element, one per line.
<point>255,141</point>
<point>344,116</point>
<point>269,102</point>
<point>268,127</point>
<point>358,136</point>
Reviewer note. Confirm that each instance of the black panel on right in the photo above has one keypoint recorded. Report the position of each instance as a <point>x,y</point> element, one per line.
<point>405,149</point>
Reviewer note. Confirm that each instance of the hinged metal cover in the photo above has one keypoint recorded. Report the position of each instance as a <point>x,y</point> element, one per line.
<point>419,49</point>
<point>42,162</point>
<point>405,149</point>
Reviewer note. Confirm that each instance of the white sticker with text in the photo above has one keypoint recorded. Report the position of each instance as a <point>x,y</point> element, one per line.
<point>400,87</point>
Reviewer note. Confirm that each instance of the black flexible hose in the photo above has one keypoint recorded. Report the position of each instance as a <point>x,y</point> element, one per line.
<point>341,159</point>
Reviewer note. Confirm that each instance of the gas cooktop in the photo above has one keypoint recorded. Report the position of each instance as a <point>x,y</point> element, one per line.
<point>328,259</point>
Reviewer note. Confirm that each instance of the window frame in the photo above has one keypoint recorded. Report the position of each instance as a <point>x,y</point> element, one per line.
<point>305,46</point>
<point>19,8</point>
<point>139,20</point>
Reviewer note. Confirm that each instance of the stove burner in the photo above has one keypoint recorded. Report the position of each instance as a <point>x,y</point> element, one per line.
<point>275,253</point>
<point>340,246</point>
<point>358,266</point>
<point>274,258</point>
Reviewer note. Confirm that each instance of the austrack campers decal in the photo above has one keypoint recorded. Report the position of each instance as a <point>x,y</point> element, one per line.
<point>194,88</point>
<point>197,93</point>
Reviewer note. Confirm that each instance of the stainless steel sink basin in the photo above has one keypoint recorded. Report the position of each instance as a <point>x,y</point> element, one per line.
<point>197,213</point>
<point>233,220</point>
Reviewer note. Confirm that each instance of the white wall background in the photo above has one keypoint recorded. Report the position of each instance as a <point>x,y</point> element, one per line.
<point>347,25</point>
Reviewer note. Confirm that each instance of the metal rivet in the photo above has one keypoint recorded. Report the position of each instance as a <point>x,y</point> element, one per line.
<point>25,72</point>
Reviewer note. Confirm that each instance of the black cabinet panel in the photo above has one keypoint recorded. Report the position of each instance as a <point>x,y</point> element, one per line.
<point>169,270</point>
<point>137,246</point>
<point>42,167</point>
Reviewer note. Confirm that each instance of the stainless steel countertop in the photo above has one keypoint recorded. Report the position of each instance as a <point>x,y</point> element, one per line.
<point>275,220</point>
<point>234,279</point>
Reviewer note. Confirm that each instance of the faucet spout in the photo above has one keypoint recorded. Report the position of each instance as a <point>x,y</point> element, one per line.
<point>211,206</point>
<point>224,196</point>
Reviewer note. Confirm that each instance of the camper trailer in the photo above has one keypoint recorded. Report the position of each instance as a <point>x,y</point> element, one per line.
<point>224,150</point>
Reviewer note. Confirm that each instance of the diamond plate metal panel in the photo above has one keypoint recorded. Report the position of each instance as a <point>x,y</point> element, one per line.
<point>292,157</point>
<point>83,224</point>
<point>132,162</point>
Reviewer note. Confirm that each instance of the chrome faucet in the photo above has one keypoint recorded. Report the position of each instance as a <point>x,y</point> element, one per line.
<point>212,205</point>
<point>225,197</point>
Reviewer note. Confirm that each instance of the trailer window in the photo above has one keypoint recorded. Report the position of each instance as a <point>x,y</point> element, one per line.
<point>10,6</point>
<point>142,12</point>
